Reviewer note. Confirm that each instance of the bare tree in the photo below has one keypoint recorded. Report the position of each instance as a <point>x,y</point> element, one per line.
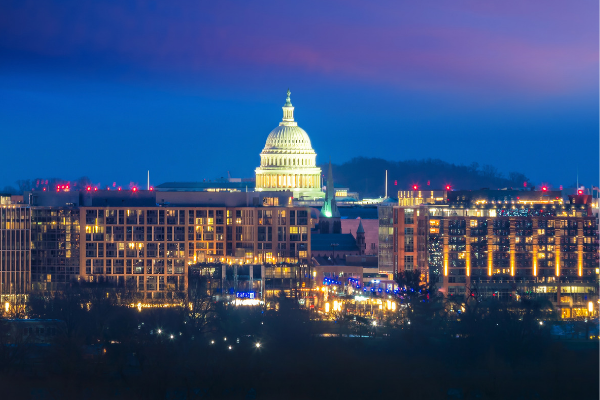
<point>200,306</point>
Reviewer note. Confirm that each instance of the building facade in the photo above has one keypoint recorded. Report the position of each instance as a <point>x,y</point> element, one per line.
<point>288,161</point>
<point>146,240</point>
<point>532,243</point>
<point>55,247</point>
<point>15,248</point>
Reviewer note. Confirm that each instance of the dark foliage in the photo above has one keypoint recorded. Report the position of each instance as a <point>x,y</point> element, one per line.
<point>491,350</point>
<point>366,176</point>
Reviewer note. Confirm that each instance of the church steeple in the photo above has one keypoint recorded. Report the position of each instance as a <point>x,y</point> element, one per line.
<point>360,238</point>
<point>288,112</point>
<point>330,209</point>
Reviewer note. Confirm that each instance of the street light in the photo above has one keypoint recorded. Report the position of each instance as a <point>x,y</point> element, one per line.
<point>333,246</point>
<point>257,345</point>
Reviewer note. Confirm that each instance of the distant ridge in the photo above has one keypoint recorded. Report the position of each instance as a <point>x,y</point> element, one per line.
<point>367,176</point>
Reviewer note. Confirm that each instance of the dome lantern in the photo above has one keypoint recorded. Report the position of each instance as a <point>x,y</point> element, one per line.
<point>288,112</point>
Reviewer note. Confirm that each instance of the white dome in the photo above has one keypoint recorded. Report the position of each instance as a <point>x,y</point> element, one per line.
<point>288,161</point>
<point>285,139</point>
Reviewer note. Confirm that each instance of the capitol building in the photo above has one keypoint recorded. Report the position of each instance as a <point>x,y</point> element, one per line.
<point>288,161</point>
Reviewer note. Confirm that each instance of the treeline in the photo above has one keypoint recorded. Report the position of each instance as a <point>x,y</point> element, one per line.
<point>367,176</point>
<point>24,185</point>
<point>434,347</point>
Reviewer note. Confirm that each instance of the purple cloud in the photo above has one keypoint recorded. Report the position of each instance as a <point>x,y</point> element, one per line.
<point>543,47</point>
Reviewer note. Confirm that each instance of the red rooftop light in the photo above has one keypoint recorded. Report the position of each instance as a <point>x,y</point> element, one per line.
<point>134,189</point>
<point>580,191</point>
<point>119,188</point>
<point>415,187</point>
<point>544,189</point>
<point>447,187</point>
<point>151,189</point>
<point>95,189</point>
<point>89,188</point>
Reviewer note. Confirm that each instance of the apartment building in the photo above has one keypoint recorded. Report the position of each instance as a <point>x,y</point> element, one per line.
<point>145,240</point>
<point>15,251</point>
<point>504,243</point>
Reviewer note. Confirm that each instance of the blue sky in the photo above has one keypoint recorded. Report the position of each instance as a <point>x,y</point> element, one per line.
<point>191,90</point>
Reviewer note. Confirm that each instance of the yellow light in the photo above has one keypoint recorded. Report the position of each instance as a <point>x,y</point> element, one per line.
<point>468,263</point>
<point>326,307</point>
<point>139,307</point>
<point>446,264</point>
<point>389,305</point>
<point>534,260</point>
<point>393,306</point>
<point>6,306</point>
<point>558,260</point>
<point>512,263</point>
<point>590,307</point>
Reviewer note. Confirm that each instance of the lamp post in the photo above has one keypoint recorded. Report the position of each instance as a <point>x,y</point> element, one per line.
<point>333,246</point>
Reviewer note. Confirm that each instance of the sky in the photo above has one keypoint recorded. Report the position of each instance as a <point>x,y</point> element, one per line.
<point>191,89</point>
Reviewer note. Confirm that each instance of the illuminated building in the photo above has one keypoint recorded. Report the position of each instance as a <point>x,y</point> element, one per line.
<point>417,197</point>
<point>386,235</point>
<point>145,240</point>
<point>219,185</point>
<point>288,161</point>
<point>55,247</point>
<point>504,243</point>
<point>15,251</point>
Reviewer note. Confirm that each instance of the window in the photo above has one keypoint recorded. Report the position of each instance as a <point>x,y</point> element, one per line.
<point>409,216</point>
<point>409,245</point>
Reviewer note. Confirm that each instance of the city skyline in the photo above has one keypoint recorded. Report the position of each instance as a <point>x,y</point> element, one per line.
<point>191,94</point>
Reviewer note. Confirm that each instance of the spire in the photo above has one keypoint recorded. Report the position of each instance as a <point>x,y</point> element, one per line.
<point>288,112</point>
<point>330,209</point>
<point>360,228</point>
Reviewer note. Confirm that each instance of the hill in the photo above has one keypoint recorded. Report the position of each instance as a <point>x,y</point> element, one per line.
<point>367,176</point>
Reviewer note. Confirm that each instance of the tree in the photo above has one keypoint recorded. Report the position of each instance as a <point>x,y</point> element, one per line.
<point>201,308</point>
<point>9,190</point>
<point>422,306</point>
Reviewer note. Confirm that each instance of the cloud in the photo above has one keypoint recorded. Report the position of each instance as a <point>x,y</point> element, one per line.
<point>539,48</point>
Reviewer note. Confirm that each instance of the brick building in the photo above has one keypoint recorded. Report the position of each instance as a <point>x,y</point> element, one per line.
<point>504,243</point>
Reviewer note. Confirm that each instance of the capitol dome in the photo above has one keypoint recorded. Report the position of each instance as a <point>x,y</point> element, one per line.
<point>288,138</point>
<point>288,161</point>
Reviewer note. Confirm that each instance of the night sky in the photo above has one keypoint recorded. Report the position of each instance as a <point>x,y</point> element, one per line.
<point>191,89</point>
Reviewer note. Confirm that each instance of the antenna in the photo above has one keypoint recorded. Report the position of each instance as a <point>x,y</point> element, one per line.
<point>386,183</point>
<point>577,188</point>
<point>148,188</point>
